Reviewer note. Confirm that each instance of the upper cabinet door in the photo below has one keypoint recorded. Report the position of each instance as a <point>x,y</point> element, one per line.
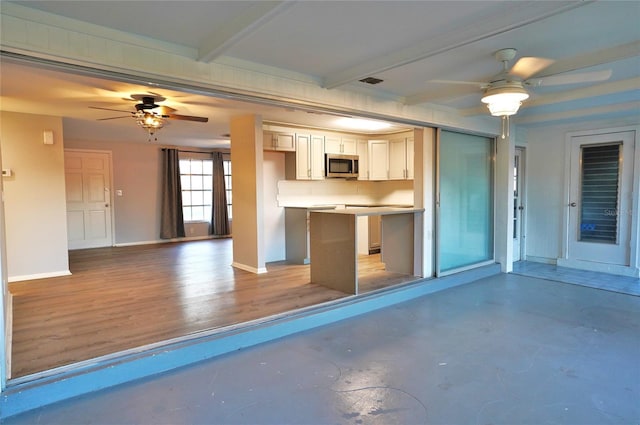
<point>410,166</point>
<point>332,144</point>
<point>338,145</point>
<point>349,146</point>
<point>401,159</point>
<point>363,159</point>
<point>316,159</point>
<point>279,141</point>
<point>285,142</point>
<point>309,157</point>
<point>378,159</point>
<point>303,147</point>
<point>397,159</point>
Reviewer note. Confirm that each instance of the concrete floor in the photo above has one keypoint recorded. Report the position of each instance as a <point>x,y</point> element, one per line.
<point>506,349</point>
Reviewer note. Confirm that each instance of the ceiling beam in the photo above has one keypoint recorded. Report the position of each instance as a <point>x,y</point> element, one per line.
<point>614,109</point>
<point>240,27</point>
<point>569,95</point>
<point>521,14</point>
<point>449,92</point>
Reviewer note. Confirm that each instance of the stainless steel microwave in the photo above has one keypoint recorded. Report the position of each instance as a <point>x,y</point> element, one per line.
<point>345,166</point>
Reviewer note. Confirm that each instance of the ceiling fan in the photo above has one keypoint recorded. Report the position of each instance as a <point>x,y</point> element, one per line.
<point>505,92</point>
<point>149,115</point>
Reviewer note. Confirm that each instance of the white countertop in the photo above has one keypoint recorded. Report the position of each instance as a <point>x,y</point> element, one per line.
<point>365,211</point>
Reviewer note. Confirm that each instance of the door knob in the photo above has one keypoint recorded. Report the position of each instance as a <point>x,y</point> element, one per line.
<point>573,204</point>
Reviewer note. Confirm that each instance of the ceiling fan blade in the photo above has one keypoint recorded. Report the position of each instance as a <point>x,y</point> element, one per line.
<point>610,54</point>
<point>163,110</point>
<point>109,109</point>
<point>185,118</point>
<point>114,118</point>
<point>583,77</point>
<point>527,66</point>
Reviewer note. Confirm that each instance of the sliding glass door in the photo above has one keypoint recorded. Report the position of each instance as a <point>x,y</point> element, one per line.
<point>465,201</point>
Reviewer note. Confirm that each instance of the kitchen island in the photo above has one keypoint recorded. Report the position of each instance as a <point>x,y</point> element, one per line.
<point>333,244</point>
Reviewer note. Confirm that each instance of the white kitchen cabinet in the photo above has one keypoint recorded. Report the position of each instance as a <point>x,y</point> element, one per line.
<point>276,141</point>
<point>378,159</point>
<point>339,145</point>
<point>401,158</point>
<point>349,146</point>
<point>309,157</point>
<point>410,165</point>
<point>362,150</point>
<point>332,144</point>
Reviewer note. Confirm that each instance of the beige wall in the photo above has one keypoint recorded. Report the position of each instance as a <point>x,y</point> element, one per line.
<point>136,171</point>
<point>248,197</point>
<point>35,206</point>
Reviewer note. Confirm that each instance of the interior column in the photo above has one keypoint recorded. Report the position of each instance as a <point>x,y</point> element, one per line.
<point>423,197</point>
<point>247,205</point>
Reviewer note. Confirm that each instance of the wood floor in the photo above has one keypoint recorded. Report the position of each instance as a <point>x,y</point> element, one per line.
<point>127,297</point>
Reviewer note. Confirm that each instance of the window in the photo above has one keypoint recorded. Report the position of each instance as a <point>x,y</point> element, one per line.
<point>227,183</point>
<point>600,189</point>
<point>196,177</point>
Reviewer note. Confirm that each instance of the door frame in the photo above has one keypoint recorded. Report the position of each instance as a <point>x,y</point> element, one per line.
<point>633,270</point>
<point>6,318</point>
<point>111,186</point>
<point>522,172</point>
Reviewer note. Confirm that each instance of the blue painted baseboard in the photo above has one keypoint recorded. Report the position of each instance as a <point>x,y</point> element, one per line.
<point>26,396</point>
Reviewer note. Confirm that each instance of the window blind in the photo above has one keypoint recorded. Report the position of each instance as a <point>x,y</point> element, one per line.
<point>599,193</point>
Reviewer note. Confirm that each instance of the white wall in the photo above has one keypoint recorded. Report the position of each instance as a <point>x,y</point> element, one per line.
<point>274,230</point>
<point>545,179</point>
<point>35,203</point>
<point>304,193</point>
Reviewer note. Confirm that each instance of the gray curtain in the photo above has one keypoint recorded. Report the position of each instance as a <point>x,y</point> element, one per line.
<point>171,219</point>
<point>219,213</point>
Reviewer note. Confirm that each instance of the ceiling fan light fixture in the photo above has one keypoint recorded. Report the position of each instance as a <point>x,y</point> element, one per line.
<point>149,121</point>
<point>505,100</point>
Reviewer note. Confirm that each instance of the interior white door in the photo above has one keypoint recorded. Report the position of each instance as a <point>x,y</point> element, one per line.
<point>599,219</point>
<point>518,205</point>
<point>88,187</point>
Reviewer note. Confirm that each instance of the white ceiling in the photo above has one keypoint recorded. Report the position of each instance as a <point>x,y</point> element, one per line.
<point>408,44</point>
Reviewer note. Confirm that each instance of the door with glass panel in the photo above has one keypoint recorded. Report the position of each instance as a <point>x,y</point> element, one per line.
<point>465,201</point>
<point>599,219</point>
<point>518,204</point>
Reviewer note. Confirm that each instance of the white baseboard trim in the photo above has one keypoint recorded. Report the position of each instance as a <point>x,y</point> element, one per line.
<point>249,268</point>
<point>543,260</point>
<point>600,267</point>
<point>38,276</point>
